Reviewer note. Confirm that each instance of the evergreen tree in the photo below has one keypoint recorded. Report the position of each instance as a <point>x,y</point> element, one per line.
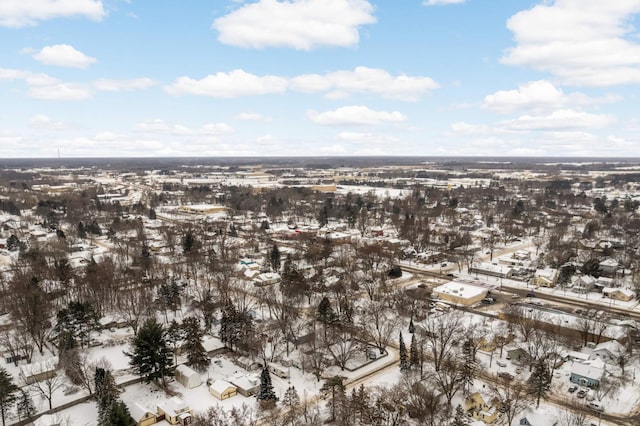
<point>152,214</point>
<point>119,415</point>
<point>539,382</point>
<point>325,311</point>
<point>106,393</point>
<point>336,385</point>
<point>274,258</point>
<point>151,356</point>
<point>459,418</point>
<point>404,362</point>
<point>469,366</point>
<point>291,401</point>
<point>266,396</point>
<point>25,406</point>
<point>196,355</point>
<point>189,242</point>
<point>7,392</point>
<point>82,232</point>
<point>412,328</point>
<point>413,352</point>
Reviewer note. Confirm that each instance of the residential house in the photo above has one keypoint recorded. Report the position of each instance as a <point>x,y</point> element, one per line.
<point>187,377</point>
<point>623,294</point>
<point>583,284</point>
<point>266,278</point>
<point>491,269</point>
<point>538,419</point>
<point>141,414</point>
<point>608,267</point>
<point>175,411</point>
<point>587,374</point>
<point>247,385</point>
<point>546,277</point>
<point>610,352</point>
<point>518,356</point>
<point>481,407</point>
<point>222,389</point>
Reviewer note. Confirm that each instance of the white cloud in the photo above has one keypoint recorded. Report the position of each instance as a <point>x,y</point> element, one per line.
<point>365,80</point>
<point>108,85</point>
<point>41,121</point>
<point>355,115</point>
<point>63,55</point>
<point>565,119</point>
<point>301,24</point>
<point>462,128</point>
<point>160,126</point>
<point>20,13</point>
<point>441,2</point>
<point>228,85</point>
<point>252,116</point>
<point>539,96</point>
<point>587,42</point>
<point>34,79</point>
<point>60,92</point>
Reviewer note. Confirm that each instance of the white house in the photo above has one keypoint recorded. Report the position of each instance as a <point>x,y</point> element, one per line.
<point>610,352</point>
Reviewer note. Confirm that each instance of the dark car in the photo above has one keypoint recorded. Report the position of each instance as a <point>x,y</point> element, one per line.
<point>582,393</point>
<point>505,376</point>
<point>572,389</point>
<point>489,300</point>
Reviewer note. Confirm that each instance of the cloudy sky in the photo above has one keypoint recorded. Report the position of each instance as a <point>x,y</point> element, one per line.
<point>107,78</point>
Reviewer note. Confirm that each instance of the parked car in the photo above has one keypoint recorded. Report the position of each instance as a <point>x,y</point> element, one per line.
<point>501,363</point>
<point>582,393</point>
<point>489,300</point>
<point>505,375</point>
<point>572,389</point>
<point>596,406</point>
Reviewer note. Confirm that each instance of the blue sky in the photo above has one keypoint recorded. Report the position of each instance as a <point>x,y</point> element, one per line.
<point>107,78</point>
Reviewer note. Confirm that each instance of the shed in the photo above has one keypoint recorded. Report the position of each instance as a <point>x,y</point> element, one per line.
<point>187,377</point>
<point>222,389</point>
<point>38,371</point>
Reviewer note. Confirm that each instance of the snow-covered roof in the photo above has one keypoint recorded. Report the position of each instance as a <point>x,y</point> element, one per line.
<point>219,386</point>
<point>173,406</point>
<point>39,367</point>
<point>587,370</point>
<point>186,371</point>
<point>137,410</point>
<point>465,291</point>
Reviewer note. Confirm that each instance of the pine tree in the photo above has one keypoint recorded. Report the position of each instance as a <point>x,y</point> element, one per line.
<point>119,415</point>
<point>267,395</point>
<point>106,393</point>
<point>469,366</point>
<point>25,406</point>
<point>539,382</point>
<point>404,362</point>
<point>459,418</point>
<point>7,392</point>
<point>413,352</point>
<point>325,311</point>
<point>291,401</point>
<point>412,328</point>
<point>274,258</point>
<point>196,355</point>
<point>151,357</point>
